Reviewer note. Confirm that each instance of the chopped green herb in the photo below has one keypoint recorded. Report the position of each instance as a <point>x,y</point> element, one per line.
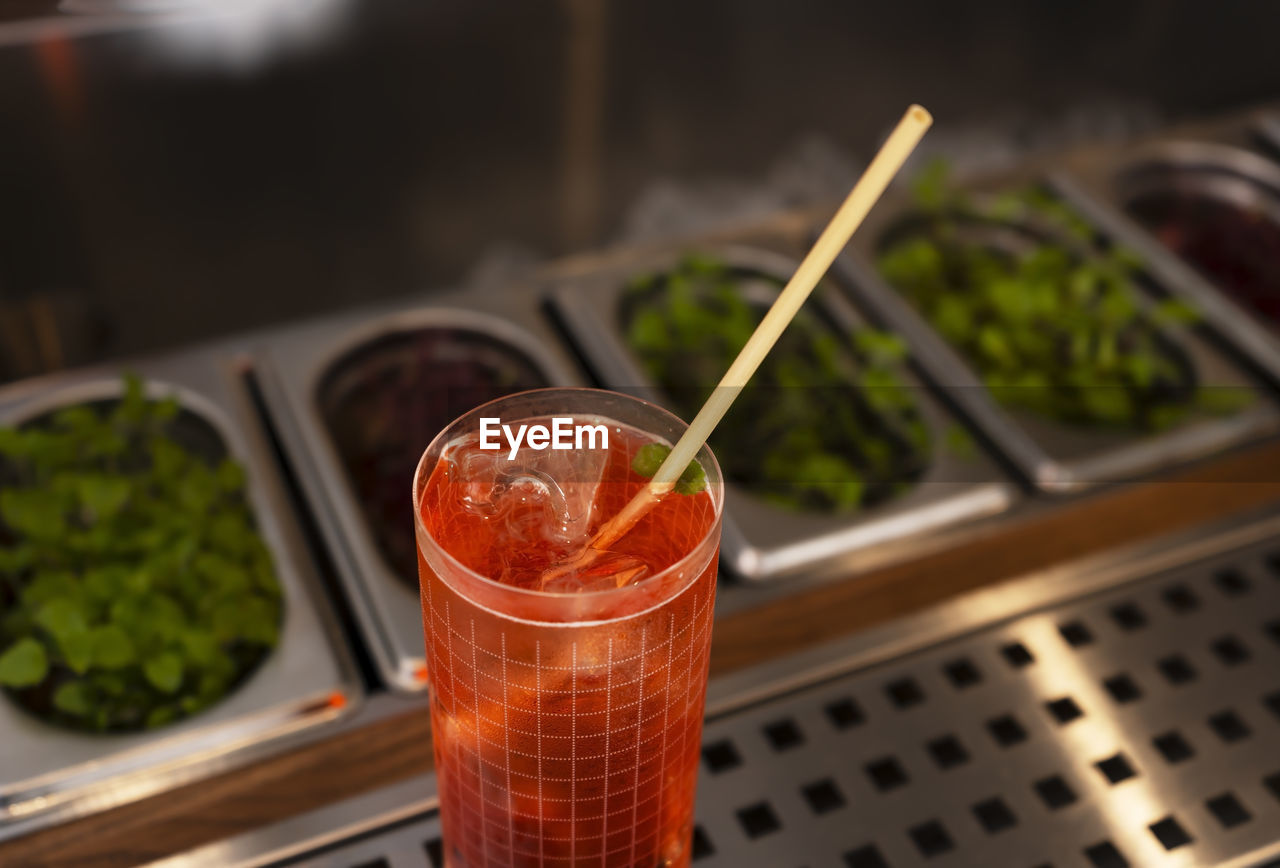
<point>826,424</point>
<point>960,441</point>
<point>134,587</point>
<point>23,664</point>
<point>1052,323</point>
<point>1224,400</point>
<point>74,698</point>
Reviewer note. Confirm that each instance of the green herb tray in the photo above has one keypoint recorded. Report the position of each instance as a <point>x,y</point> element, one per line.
<point>305,683</point>
<point>1052,454</point>
<point>1231,160</point>
<point>761,540</point>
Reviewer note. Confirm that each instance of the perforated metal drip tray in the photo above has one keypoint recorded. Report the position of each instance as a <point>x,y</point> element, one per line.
<point>1136,727</point>
<point>1113,713</point>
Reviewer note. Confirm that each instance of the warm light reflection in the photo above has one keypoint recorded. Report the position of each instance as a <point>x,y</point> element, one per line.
<point>1130,806</point>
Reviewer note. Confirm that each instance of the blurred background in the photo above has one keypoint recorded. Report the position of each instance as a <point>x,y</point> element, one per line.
<point>176,170</point>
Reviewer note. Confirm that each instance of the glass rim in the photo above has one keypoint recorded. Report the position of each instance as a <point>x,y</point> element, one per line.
<point>447,434</point>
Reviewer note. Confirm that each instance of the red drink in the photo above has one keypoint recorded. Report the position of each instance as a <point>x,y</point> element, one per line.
<point>566,720</point>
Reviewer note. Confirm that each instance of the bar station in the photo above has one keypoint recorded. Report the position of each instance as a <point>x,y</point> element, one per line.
<point>915,502</point>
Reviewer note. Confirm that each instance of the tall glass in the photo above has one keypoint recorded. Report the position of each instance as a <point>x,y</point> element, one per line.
<point>566,725</point>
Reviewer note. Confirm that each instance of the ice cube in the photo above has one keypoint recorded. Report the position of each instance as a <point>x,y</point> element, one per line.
<point>563,481</point>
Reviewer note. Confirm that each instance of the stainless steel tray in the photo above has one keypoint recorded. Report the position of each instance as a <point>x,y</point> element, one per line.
<point>292,366</point>
<point>1117,711</point>
<point>1098,183</point>
<point>307,682</point>
<point>761,542</point>
<point>1053,456</point>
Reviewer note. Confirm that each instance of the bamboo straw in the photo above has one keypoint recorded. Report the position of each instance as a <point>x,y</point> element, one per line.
<point>893,153</point>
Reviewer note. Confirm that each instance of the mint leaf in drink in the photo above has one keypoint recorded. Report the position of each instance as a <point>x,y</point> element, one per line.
<point>649,458</point>
<point>693,480</point>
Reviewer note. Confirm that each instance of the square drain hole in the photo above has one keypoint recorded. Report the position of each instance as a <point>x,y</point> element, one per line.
<point>1122,688</point>
<point>1075,633</point>
<point>962,673</point>
<point>1273,563</point>
<point>1006,730</point>
<point>994,815</point>
<point>1228,810</point>
<point>1229,726</point>
<point>758,820</point>
<point>1055,792</point>
<point>947,752</point>
<point>1105,855</point>
<point>844,713</point>
<point>1230,651</point>
<point>823,796</point>
<point>1180,599</point>
<point>1170,833</point>
<point>1128,617</point>
<point>1116,769</point>
<point>1176,669</point>
<point>702,846</point>
<point>435,852</point>
<point>1272,702</point>
<point>1173,747</point>
<point>904,692</point>
<point>1231,582</point>
<point>886,773</point>
<point>1272,783</point>
<point>1272,629</point>
<point>931,838</point>
<point>1064,710</point>
<point>867,856</point>
<point>1017,655</point>
<point>783,734</point>
<point>721,756</point>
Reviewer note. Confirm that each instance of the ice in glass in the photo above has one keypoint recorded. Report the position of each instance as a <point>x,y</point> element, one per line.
<point>566,709</point>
